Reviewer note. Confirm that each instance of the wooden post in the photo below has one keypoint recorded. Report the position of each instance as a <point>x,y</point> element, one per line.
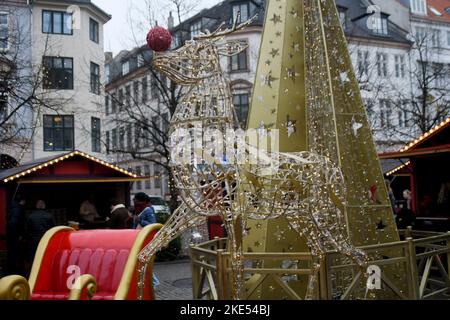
<point>448,253</point>
<point>220,274</point>
<point>323,279</point>
<point>413,276</point>
<point>408,233</point>
<point>195,274</point>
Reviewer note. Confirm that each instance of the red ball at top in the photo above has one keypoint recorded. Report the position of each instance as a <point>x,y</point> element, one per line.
<point>159,39</point>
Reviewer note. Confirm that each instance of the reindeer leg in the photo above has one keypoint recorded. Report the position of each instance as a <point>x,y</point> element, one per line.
<point>235,234</point>
<point>303,227</point>
<point>182,219</point>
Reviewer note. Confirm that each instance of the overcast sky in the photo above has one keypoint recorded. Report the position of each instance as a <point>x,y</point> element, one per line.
<point>118,31</point>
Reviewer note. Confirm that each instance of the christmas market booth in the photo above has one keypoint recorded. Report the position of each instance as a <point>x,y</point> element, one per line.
<point>425,172</point>
<point>64,182</point>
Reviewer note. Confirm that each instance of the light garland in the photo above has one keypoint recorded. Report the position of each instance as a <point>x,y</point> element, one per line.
<point>426,135</point>
<point>65,157</point>
<point>390,173</point>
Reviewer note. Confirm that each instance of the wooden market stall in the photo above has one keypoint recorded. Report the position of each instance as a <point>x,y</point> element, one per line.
<point>425,171</point>
<point>64,182</point>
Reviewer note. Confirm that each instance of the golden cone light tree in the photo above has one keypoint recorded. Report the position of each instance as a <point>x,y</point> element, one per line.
<point>306,88</point>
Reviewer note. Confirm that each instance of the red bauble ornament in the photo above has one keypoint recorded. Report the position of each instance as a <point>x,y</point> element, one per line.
<point>159,39</point>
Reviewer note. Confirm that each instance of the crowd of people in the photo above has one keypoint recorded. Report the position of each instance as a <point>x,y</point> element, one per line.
<point>24,232</point>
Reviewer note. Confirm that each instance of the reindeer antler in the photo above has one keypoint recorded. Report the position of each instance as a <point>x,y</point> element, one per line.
<point>218,33</point>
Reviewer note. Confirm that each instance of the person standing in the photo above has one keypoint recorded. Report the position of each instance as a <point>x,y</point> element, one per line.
<point>145,214</point>
<point>15,228</point>
<point>120,216</point>
<point>38,223</point>
<point>88,211</point>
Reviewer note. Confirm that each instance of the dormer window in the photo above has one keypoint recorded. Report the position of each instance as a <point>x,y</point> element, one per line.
<point>419,6</point>
<point>243,9</point>
<point>380,25</point>
<point>125,67</point>
<point>196,28</point>
<point>343,18</point>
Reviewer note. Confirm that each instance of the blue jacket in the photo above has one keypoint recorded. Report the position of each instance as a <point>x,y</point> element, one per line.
<point>147,217</point>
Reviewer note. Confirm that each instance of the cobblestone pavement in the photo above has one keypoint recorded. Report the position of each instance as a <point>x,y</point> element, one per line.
<point>175,280</point>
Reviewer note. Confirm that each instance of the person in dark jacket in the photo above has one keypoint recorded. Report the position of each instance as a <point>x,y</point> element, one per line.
<point>38,223</point>
<point>15,228</point>
<point>120,216</point>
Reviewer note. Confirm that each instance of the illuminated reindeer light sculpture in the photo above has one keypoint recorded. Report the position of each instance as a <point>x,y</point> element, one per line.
<point>305,188</point>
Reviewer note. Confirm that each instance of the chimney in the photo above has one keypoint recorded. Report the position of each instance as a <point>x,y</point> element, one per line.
<point>170,21</point>
<point>108,56</point>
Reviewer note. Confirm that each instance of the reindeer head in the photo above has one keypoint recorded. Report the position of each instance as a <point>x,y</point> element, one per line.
<point>198,59</point>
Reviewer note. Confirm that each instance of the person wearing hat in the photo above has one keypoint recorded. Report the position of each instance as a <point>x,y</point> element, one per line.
<point>145,214</point>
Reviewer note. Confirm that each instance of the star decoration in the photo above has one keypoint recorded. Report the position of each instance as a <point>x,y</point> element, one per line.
<point>291,126</point>
<point>291,74</point>
<point>266,80</point>
<point>274,52</point>
<point>296,46</point>
<point>356,126</point>
<point>276,19</point>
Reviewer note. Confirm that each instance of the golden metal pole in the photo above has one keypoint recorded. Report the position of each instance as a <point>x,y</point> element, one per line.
<point>414,276</point>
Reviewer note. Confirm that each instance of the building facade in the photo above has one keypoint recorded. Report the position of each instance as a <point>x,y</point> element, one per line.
<point>64,60</point>
<point>383,46</point>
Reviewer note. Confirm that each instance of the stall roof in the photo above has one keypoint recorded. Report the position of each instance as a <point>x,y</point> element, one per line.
<point>39,164</point>
<point>413,148</point>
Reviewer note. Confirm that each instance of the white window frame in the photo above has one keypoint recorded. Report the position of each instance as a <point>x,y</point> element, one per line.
<point>125,67</point>
<point>196,28</point>
<point>400,66</point>
<point>5,26</point>
<point>419,7</point>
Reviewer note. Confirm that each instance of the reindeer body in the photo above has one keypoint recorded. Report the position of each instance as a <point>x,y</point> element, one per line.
<point>306,188</point>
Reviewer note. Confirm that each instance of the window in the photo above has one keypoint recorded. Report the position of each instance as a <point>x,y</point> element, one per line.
<point>108,142</point>
<point>144,90</point>
<point>419,6</point>
<point>140,60</point>
<point>96,134</point>
<point>125,67</point>
<point>136,92</point>
<point>196,28</point>
<point>343,19</point>
<point>382,64</point>
<point>120,98</point>
<point>122,138</point>
<point>139,183</point>
<point>238,62</point>
<point>113,103</point>
<point>243,9</point>
<point>137,136</point>
<point>114,139</point>
<point>420,34</point>
<point>240,102</point>
<point>58,73</point>
<point>399,66</point>
<point>436,38</point>
<point>403,119</point>
<point>379,25</point>
<point>93,30</point>
<point>4,31</point>
<point>176,40</point>
<point>58,133</point>
<point>130,137</point>
<point>107,104</point>
<point>448,38</point>
<point>154,87</point>
<point>385,113</point>
<point>3,106</point>
<point>95,78</point>
<point>128,96</point>
<point>157,175</point>
<point>363,62</point>
<point>57,22</point>
<point>147,174</point>
<point>165,123</point>
<point>439,73</point>
<point>107,73</point>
